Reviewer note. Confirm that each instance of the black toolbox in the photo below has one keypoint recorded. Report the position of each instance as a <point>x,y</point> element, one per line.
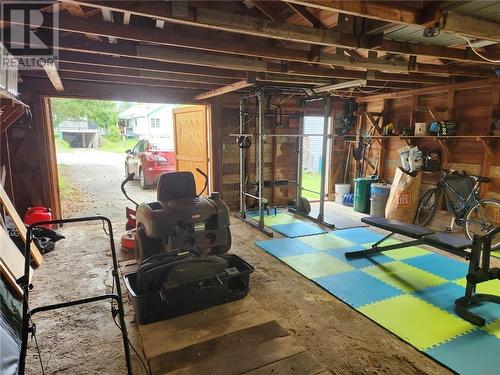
<point>231,285</point>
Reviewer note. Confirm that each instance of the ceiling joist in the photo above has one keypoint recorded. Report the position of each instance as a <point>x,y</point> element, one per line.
<point>242,24</point>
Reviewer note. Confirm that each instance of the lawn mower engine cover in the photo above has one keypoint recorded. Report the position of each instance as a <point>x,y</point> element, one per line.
<point>181,220</point>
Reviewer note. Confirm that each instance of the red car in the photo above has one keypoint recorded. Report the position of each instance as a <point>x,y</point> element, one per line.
<point>149,159</point>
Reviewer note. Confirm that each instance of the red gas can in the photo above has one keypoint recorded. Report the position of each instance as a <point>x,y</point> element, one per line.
<point>35,214</point>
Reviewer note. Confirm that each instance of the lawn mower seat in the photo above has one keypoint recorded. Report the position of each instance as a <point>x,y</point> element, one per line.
<point>181,220</point>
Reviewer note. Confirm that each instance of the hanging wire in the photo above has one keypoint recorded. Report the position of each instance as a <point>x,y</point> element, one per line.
<point>122,331</point>
<point>476,51</point>
<point>375,90</point>
<point>346,95</point>
<point>33,332</point>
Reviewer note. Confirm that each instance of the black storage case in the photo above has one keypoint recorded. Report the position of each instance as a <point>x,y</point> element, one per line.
<point>230,285</point>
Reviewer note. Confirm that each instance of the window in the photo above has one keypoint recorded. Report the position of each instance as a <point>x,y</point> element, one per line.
<point>155,123</point>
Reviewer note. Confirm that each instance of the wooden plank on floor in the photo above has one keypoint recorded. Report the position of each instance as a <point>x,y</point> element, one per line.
<point>202,355</point>
<point>301,363</point>
<point>191,329</point>
<point>245,358</point>
<point>36,257</point>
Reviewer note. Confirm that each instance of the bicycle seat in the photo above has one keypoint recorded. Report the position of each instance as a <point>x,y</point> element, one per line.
<point>483,179</point>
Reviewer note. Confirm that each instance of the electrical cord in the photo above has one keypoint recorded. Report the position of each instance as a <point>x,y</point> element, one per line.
<point>375,90</point>
<point>474,49</point>
<point>113,315</point>
<point>123,333</point>
<point>33,333</point>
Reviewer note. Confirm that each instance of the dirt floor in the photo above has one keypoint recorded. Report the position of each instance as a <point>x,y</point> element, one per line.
<point>84,340</point>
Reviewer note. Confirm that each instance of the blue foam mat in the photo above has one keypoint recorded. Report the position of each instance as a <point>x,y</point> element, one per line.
<point>445,267</point>
<point>285,247</point>
<point>297,229</point>
<point>474,353</point>
<point>372,289</point>
<point>358,235</point>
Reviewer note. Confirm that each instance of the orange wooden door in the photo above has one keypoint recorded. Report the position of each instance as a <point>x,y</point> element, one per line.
<point>191,141</point>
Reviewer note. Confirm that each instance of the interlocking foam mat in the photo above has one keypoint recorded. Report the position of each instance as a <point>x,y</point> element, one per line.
<point>410,291</point>
<point>288,225</point>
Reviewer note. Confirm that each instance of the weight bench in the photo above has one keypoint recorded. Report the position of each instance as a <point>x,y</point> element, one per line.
<point>478,253</point>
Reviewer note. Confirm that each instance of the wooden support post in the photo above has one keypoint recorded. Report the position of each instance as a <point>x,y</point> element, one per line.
<point>488,149</point>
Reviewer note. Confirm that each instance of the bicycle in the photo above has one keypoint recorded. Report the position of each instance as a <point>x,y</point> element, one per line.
<point>461,193</point>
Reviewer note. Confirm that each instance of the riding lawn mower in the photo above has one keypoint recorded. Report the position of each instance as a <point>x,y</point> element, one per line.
<point>181,244</point>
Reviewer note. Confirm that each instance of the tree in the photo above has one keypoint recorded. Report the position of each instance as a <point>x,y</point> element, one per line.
<point>104,113</point>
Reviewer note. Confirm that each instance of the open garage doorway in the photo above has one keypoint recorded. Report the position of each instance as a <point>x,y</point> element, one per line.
<point>100,142</point>
<point>313,157</point>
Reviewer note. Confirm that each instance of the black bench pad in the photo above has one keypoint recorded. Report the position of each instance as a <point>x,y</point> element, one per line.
<point>399,227</point>
<point>447,240</point>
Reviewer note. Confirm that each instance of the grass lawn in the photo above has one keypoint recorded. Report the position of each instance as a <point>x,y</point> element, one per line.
<point>62,145</point>
<point>117,146</point>
<point>311,181</point>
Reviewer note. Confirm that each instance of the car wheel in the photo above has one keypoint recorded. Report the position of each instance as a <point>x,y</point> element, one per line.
<point>142,179</point>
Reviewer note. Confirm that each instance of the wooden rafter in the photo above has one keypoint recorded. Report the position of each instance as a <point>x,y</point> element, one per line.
<point>197,41</point>
<point>305,14</point>
<point>54,77</point>
<point>235,23</point>
<point>225,90</point>
<point>233,46</point>
<point>432,90</point>
<point>379,10</point>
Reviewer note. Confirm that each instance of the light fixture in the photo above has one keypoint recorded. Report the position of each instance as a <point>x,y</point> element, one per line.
<point>343,85</point>
<point>431,32</point>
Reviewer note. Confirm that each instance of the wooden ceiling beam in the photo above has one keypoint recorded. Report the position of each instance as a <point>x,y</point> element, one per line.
<point>232,45</point>
<point>137,73</point>
<point>111,91</point>
<point>100,53</point>
<point>240,85</point>
<point>448,20</point>
<point>432,90</point>
<point>201,41</point>
<point>241,24</point>
<point>305,14</point>
<point>54,77</point>
<point>103,60</point>
<point>107,78</point>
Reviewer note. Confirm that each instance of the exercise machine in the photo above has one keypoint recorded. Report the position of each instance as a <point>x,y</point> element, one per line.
<point>181,247</point>
<point>477,252</point>
<point>262,97</point>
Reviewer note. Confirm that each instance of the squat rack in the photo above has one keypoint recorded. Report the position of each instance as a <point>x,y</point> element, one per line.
<point>263,96</point>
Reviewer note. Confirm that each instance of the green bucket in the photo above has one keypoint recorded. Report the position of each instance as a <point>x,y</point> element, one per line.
<point>362,194</point>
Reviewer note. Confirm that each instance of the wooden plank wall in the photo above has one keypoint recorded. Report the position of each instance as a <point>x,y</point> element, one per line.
<point>474,110</point>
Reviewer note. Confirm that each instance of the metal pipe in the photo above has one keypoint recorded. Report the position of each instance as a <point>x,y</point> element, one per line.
<point>326,123</point>
<point>252,196</point>
<point>298,194</point>
<point>284,135</point>
<point>260,156</point>
<point>242,160</point>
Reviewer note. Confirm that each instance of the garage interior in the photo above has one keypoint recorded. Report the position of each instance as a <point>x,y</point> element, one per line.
<point>405,93</point>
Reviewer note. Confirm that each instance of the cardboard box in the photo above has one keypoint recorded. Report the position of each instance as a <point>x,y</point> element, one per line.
<point>420,128</point>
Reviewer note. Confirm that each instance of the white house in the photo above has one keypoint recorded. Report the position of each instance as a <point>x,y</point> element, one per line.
<point>148,121</point>
<point>79,133</point>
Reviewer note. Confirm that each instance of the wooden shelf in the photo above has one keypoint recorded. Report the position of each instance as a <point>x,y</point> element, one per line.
<point>435,137</point>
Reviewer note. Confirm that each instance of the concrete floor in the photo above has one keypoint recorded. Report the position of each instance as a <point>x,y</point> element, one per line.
<point>85,340</point>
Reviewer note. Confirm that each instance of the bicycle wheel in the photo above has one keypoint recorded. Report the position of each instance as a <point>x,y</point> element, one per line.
<point>427,207</point>
<point>483,217</point>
